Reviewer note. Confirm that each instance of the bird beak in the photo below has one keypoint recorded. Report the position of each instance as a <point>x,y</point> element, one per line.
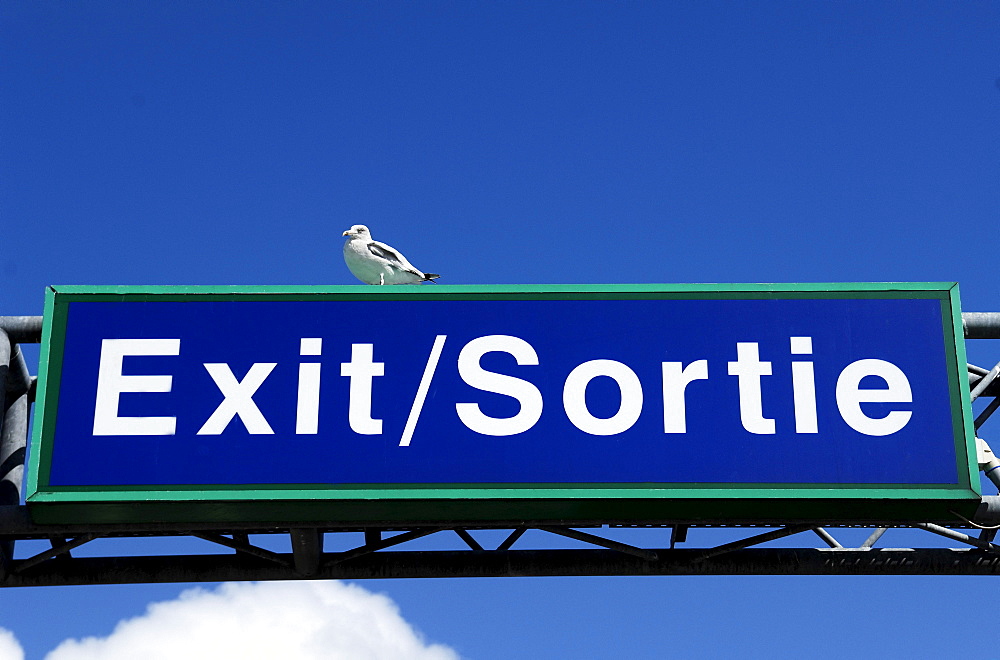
<point>346,233</point>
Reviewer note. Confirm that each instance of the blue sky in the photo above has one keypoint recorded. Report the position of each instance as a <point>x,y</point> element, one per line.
<point>506,143</point>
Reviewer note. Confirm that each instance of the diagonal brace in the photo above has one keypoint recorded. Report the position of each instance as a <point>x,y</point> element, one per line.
<point>754,540</point>
<point>648,555</point>
<point>469,540</point>
<point>875,536</point>
<point>54,551</point>
<point>369,548</point>
<point>510,540</point>
<point>827,537</point>
<point>958,536</point>
<point>243,547</point>
<point>985,414</point>
<point>985,381</point>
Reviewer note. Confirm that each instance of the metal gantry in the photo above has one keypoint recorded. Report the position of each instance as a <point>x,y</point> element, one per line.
<point>372,550</point>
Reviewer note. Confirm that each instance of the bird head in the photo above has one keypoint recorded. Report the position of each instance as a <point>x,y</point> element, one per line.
<point>358,231</point>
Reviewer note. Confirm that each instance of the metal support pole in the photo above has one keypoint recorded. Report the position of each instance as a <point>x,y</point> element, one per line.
<point>981,325</point>
<point>5,348</point>
<point>6,547</point>
<point>13,438</point>
<point>15,386</point>
<point>22,329</point>
<point>14,434</point>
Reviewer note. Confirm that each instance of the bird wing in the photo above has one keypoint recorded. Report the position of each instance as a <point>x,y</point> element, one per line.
<point>391,255</point>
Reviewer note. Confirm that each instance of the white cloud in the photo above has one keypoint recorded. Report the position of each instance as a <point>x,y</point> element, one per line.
<point>308,620</point>
<point>10,649</point>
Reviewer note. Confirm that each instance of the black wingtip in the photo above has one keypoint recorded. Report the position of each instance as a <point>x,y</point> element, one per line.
<point>430,277</point>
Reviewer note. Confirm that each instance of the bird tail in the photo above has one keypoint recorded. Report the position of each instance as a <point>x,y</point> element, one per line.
<point>430,277</point>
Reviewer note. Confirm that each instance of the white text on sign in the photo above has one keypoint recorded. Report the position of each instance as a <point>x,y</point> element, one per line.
<point>363,370</point>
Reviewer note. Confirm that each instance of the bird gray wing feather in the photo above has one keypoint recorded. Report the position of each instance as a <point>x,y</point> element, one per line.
<point>388,253</point>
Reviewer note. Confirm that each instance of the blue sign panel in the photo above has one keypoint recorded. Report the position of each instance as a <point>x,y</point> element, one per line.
<point>448,389</point>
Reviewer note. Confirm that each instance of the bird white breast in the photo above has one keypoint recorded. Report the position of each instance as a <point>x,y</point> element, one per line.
<point>362,263</point>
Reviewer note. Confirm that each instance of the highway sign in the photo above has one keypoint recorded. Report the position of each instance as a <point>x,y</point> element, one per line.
<point>633,403</point>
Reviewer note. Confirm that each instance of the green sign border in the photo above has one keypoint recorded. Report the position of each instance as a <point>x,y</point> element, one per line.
<point>538,503</point>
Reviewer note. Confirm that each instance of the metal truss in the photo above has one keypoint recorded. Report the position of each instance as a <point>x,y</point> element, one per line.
<point>375,551</point>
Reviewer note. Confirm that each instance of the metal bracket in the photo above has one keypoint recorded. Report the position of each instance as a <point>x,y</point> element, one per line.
<point>307,550</point>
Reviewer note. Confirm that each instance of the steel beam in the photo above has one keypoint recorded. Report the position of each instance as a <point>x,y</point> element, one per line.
<point>16,522</point>
<point>521,563</point>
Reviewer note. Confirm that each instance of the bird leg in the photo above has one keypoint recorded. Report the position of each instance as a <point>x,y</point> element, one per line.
<point>381,278</point>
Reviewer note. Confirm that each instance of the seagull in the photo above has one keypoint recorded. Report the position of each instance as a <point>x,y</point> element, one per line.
<point>377,263</point>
